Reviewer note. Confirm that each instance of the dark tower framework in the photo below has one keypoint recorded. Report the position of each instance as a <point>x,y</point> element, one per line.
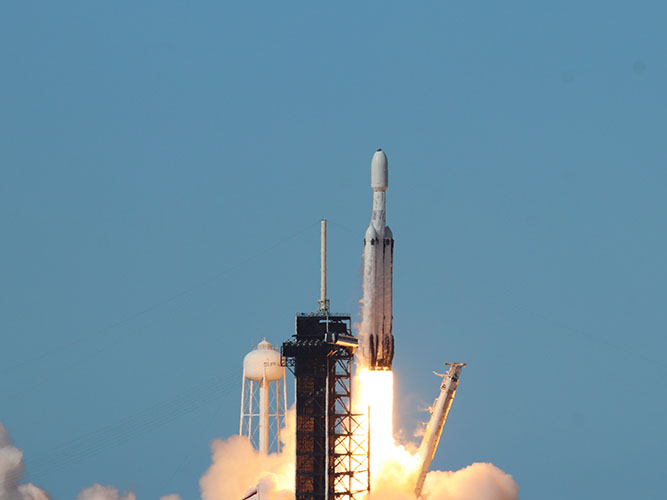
<point>332,454</point>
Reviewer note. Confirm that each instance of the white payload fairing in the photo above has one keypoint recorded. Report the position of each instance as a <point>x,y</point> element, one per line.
<point>377,340</point>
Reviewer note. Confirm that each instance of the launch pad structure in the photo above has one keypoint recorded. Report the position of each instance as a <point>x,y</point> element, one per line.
<point>332,458</point>
<point>333,443</point>
<point>332,454</point>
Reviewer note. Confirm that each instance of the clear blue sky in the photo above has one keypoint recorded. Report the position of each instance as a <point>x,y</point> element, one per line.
<point>164,167</point>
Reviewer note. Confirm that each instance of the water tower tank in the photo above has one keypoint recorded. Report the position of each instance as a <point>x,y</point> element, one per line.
<point>264,361</point>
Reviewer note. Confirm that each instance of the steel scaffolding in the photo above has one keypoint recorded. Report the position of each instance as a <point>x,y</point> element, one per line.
<point>332,460</point>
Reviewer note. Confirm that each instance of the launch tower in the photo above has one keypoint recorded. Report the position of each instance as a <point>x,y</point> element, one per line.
<point>332,460</point>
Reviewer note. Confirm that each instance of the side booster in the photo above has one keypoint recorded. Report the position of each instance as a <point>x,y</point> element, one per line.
<point>378,340</point>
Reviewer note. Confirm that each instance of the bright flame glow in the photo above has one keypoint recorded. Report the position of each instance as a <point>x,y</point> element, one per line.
<point>377,393</point>
<point>391,463</point>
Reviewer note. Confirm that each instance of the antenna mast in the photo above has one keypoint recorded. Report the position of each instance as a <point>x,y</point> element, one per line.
<point>323,301</point>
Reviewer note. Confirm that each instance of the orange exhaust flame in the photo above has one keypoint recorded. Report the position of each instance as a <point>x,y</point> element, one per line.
<point>392,465</point>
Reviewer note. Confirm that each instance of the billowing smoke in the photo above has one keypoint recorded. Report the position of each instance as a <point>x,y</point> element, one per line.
<point>99,492</point>
<point>11,471</point>
<point>237,468</point>
<point>479,481</point>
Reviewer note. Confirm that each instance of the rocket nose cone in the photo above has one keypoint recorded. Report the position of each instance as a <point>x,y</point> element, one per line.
<point>379,168</point>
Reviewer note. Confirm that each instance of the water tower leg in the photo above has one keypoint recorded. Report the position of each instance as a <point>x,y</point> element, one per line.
<point>242,405</point>
<point>278,422</point>
<point>264,416</point>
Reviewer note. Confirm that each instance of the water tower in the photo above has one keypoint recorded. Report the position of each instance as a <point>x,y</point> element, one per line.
<point>263,400</point>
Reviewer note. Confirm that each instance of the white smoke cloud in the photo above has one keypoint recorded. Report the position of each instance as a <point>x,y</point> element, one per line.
<point>11,471</point>
<point>237,468</point>
<point>479,481</point>
<point>31,492</point>
<point>100,492</point>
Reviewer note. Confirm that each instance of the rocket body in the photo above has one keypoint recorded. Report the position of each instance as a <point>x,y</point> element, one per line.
<point>377,340</point>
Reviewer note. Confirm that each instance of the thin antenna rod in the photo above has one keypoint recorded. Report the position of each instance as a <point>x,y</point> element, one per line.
<point>323,301</point>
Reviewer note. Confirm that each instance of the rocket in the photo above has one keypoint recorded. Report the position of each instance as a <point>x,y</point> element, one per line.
<point>377,340</point>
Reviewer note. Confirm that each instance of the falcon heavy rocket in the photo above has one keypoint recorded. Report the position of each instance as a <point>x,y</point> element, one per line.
<point>377,340</point>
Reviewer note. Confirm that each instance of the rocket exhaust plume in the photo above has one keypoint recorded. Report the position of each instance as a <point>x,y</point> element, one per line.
<point>401,472</point>
<point>376,337</point>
